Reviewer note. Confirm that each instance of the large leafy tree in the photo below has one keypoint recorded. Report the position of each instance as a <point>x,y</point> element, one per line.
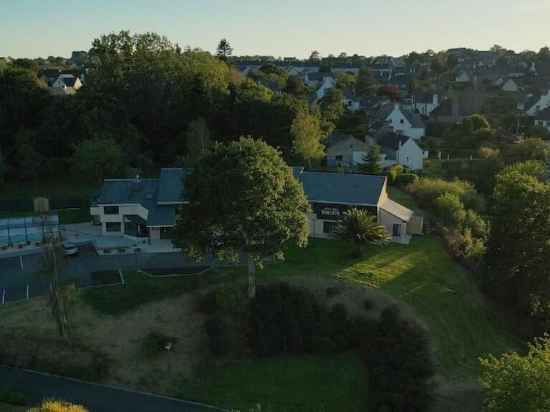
<point>518,250</point>
<point>361,228</point>
<point>243,199</point>
<point>197,141</point>
<point>146,82</point>
<point>371,160</point>
<point>306,138</point>
<point>518,383</point>
<point>23,99</point>
<point>98,158</point>
<point>224,49</point>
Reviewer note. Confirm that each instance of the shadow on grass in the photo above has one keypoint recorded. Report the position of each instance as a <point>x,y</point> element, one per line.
<point>444,296</point>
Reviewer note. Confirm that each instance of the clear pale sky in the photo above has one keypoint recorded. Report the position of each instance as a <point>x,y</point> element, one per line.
<point>32,28</point>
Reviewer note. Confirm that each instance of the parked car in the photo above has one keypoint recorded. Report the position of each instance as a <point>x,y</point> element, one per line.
<point>70,249</point>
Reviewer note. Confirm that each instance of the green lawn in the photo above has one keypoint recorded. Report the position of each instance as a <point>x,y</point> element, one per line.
<point>140,289</point>
<point>306,383</point>
<point>443,294</point>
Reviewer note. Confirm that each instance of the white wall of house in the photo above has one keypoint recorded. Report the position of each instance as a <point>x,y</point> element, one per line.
<point>123,210</point>
<point>358,158</point>
<point>426,108</point>
<point>543,123</point>
<point>389,221</point>
<point>510,86</point>
<point>327,84</point>
<point>154,233</point>
<point>398,121</point>
<point>540,105</point>
<point>352,104</point>
<point>411,155</point>
<point>463,77</point>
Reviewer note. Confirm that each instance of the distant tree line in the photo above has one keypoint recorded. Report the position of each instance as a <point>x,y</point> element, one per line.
<point>147,103</point>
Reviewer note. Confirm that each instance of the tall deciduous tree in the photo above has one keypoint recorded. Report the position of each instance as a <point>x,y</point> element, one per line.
<point>306,136</point>
<point>243,199</point>
<point>371,161</point>
<point>98,158</point>
<point>224,49</point>
<point>53,263</point>
<point>518,383</point>
<point>518,250</point>
<point>197,141</point>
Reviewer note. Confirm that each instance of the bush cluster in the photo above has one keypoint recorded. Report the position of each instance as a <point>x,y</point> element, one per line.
<point>456,206</point>
<point>285,319</point>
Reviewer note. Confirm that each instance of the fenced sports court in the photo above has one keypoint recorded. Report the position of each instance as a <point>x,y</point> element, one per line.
<point>27,230</point>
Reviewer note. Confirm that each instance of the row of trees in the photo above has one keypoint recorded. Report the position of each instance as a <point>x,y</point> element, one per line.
<point>152,103</point>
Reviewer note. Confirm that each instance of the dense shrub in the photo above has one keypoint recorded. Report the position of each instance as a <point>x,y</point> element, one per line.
<point>405,179</point>
<point>218,340</point>
<point>393,173</point>
<point>208,303</point>
<point>476,224</point>
<point>450,210</point>
<point>400,365</point>
<point>332,291</point>
<point>285,319</point>
<point>426,190</point>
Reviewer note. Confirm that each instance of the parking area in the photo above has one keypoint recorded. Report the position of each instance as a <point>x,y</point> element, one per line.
<point>20,275</point>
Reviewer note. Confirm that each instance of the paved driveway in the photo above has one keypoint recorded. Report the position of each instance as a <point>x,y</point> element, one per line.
<point>18,272</point>
<point>96,398</point>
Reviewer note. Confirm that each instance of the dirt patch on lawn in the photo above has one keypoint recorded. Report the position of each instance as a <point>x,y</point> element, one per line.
<point>119,339</point>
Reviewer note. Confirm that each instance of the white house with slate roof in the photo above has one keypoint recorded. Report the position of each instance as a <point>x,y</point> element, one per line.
<point>542,119</point>
<point>331,194</point>
<point>535,104</point>
<point>139,208</point>
<point>401,149</point>
<point>66,84</point>
<point>403,120</point>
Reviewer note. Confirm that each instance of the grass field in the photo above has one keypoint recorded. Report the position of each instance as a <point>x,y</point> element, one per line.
<point>421,274</point>
<point>141,289</point>
<point>307,383</point>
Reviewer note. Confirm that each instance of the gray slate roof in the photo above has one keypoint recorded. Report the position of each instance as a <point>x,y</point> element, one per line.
<point>171,186</point>
<point>343,188</point>
<point>149,193</point>
<point>543,114</point>
<point>391,140</point>
<point>413,118</point>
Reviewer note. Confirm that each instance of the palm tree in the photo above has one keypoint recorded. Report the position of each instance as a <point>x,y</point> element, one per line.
<point>361,228</point>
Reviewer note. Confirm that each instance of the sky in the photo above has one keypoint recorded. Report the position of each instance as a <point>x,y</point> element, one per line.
<point>41,28</point>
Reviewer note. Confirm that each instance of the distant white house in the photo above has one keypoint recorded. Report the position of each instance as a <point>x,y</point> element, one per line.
<point>400,149</point>
<point>463,77</point>
<point>510,86</point>
<point>425,104</point>
<point>404,121</point>
<point>327,83</point>
<point>535,104</point>
<point>66,84</point>
<point>542,119</point>
<point>345,150</point>
<point>351,102</point>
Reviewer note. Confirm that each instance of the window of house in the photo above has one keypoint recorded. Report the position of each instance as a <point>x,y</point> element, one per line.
<point>329,227</point>
<point>396,232</point>
<point>113,227</point>
<point>402,121</point>
<point>339,158</point>
<point>110,210</point>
